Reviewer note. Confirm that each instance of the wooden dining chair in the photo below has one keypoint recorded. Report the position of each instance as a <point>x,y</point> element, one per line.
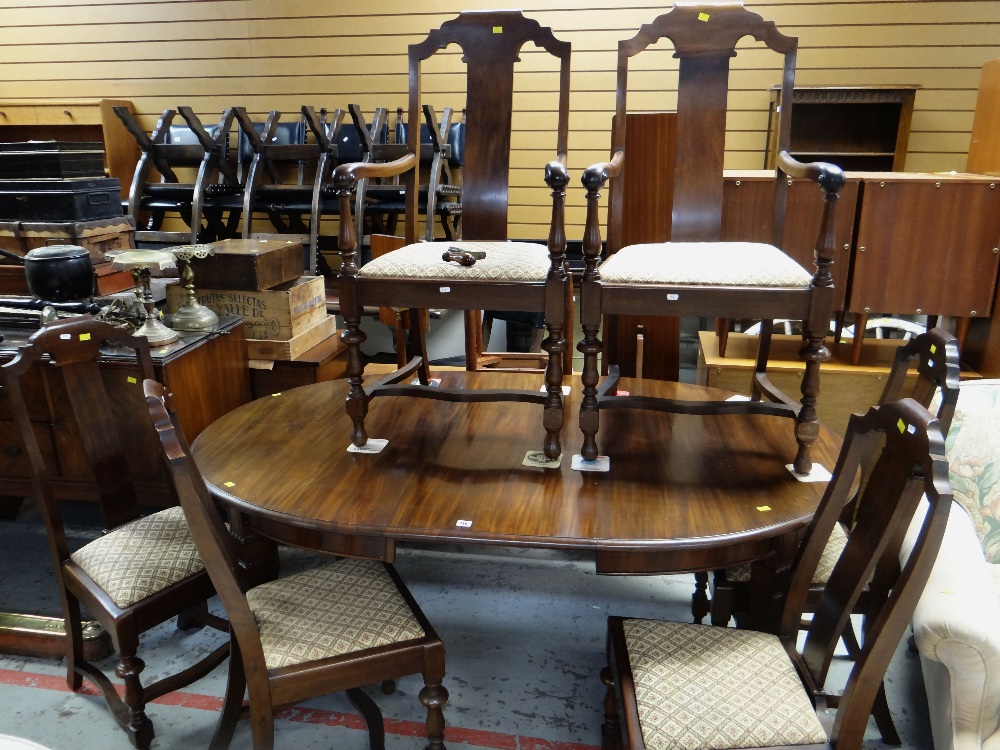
<point>336,627</point>
<point>935,354</point>
<point>286,175</point>
<point>675,685</point>
<point>209,202</point>
<point>146,569</point>
<point>695,273</point>
<point>483,269</point>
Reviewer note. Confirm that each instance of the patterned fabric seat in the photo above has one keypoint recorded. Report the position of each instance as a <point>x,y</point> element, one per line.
<point>142,557</point>
<point>831,553</point>
<point>744,264</point>
<point>504,261</point>
<point>700,687</point>
<point>336,609</point>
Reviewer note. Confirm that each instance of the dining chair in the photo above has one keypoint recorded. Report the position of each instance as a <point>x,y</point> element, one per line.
<point>209,202</point>
<point>483,270</point>
<point>696,686</point>
<point>442,154</point>
<point>335,627</point>
<point>695,273</point>
<point>286,175</point>
<point>935,354</point>
<point>145,570</point>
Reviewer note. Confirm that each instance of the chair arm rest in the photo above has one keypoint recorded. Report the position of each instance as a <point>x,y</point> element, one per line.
<point>596,175</point>
<point>346,176</point>
<point>830,177</point>
<point>954,624</point>
<point>556,176</point>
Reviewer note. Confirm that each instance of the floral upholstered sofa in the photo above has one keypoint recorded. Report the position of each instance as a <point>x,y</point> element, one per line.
<point>957,621</point>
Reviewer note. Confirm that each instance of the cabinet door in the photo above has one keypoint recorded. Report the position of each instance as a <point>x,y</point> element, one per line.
<point>748,216</point>
<point>926,247</point>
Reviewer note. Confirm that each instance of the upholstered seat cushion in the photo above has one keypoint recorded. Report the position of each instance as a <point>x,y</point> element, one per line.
<point>831,553</point>
<point>336,609</point>
<point>746,264</point>
<point>142,557</point>
<point>701,687</point>
<point>504,261</point>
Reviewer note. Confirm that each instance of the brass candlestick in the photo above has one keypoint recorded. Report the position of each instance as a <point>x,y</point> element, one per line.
<point>192,315</point>
<point>142,262</point>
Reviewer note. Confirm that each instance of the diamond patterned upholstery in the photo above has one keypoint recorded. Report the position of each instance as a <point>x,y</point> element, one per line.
<point>701,687</point>
<point>831,553</point>
<point>336,609</point>
<point>504,261</point>
<point>141,557</point>
<point>705,263</point>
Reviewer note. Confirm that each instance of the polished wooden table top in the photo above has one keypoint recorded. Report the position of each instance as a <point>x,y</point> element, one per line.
<point>684,492</point>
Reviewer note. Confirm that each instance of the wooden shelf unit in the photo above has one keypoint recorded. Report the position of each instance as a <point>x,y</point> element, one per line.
<point>82,120</point>
<point>859,128</point>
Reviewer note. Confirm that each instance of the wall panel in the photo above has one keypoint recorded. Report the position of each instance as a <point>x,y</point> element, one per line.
<point>280,54</point>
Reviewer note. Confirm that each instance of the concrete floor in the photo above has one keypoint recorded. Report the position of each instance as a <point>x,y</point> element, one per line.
<point>524,631</point>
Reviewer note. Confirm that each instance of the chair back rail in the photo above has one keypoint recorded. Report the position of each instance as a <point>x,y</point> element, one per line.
<point>215,544</point>
<point>490,42</point>
<point>911,465</point>
<point>704,47</point>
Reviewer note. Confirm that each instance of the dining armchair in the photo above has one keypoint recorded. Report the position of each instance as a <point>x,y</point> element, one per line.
<point>335,627</point>
<point>146,569</point>
<point>483,270</point>
<point>696,686</point>
<point>209,202</point>
<point>695,273</point>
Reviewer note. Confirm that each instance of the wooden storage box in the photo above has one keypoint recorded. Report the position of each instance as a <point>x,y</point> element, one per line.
<point>277,314</point>
<point>76,199</point>
<point>249,264</point>
<point>294,347</point>
<point>844,388</point>
<point>98,236</point>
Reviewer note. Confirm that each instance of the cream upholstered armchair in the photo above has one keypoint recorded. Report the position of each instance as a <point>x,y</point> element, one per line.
<point>957,621</point>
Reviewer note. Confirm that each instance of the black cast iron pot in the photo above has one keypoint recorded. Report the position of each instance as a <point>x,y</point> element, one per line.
<point>57,273</point>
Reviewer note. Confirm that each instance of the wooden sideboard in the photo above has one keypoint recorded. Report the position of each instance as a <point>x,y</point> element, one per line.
<point>207,373</point>
<point>81,120</point>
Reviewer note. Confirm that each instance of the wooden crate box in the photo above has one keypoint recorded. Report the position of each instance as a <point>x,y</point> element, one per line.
<point>277,314</point>
<point>249,264</point>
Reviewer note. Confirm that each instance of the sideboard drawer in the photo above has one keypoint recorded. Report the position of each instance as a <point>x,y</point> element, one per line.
<point>69,114</point>
<point>17,115</point>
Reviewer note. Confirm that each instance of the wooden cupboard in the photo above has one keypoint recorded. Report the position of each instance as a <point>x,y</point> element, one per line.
<point>207,373</point>
<point>81,120</point>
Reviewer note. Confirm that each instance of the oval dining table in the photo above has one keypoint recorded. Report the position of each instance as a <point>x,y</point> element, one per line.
<point>684,493</point>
